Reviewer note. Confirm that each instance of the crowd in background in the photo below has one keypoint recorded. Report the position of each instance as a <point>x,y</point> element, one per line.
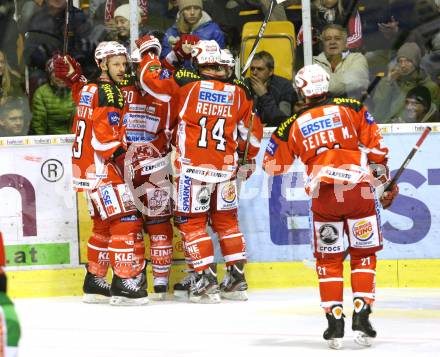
<point>396,42</point>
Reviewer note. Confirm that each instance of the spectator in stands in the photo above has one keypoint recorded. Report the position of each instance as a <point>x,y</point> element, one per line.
<point>431,61</point>
<point>52,106</point>
<point>8,32</point>
<point>29,9</point>
<point>388,24</point>
<point>122,23</point>
<point>274,95</point>
<point>46,36</point>
<point>191,19</point>
<point>14,117</point>
<point>325,12</point>
<point>389,97</point>
<point>10,80</point>
<point>348,71</point>
<point>418,107</point>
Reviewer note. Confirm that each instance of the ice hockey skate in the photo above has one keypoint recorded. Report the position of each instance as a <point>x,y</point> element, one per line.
<point>364,333</point>
<point>182,288</point>
<point>160,286</point>
<point>96,289</point>
<point>335,330</point>
<point>206,289</point>
<point>234,285</point>
<point>127,292</point>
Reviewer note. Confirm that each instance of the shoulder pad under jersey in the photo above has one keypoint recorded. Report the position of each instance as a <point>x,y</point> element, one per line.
<point>109,95</point>
<point>241,84</point>
<point>184,76</point>
<point>347,102</point>
<point>282,132</point>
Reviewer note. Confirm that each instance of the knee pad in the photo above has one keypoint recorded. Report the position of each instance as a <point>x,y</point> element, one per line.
<point>97,254</point>
<point>200,249</point>
<point>331,282</point>
<point>126,250</point>
<point>232,245</point>
<point>363,276</point>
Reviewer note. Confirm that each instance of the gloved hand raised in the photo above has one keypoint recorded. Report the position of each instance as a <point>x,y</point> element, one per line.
<point>66,68</point>
<point>183,47</point>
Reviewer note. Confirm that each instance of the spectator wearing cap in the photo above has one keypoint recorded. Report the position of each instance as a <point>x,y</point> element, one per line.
<point>52,106</point>
<point>122,24</point>
<point>191,19</point>
<point>418,107</point>
<point>389,98</point>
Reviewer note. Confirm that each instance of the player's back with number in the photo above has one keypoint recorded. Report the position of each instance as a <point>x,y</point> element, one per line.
<point>210,116</point>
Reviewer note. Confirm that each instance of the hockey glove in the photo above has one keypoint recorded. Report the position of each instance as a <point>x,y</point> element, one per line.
<point>118,158</point>
<point>388,197</point>
<point>246,169</point>
<point>183,47</point>
<point>381,177</point>
<point>67,69</point>
<point>149,44</point>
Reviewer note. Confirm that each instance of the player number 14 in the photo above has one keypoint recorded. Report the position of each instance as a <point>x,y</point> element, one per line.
<point>217,133</point>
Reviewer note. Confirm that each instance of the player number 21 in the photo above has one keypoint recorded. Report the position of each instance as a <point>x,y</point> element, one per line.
<point>217,133</point>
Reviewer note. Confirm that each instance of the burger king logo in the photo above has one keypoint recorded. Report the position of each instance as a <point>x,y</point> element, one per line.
<point>228,193</point>
<point>363,230</point>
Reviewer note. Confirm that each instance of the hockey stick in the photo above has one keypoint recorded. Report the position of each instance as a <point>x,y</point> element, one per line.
<point>66,27</point>
<point>408,158</point>
<point>259,36</point>
<point>371,86</point>
<point>403,166</point>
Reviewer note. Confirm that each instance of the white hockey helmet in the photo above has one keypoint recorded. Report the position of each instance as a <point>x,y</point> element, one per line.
<point>206,52</point>
<point>312,81</point>
<point>109,48</point>
<point>227,58</point>
<point>136,56</point>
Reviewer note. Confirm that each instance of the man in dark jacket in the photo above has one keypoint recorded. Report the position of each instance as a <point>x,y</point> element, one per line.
<point>45,35</point>
<point>274,96</point>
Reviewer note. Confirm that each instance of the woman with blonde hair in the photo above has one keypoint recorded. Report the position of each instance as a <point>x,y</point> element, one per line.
<point>10,80</point>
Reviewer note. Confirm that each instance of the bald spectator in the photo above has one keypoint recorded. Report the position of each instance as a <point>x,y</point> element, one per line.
<point>348,71</point>
<point>389,97</point>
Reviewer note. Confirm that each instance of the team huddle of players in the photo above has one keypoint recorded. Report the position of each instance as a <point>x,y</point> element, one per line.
<point>125,127</point>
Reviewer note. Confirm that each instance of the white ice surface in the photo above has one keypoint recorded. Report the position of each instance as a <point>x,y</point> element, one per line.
<point>273,323</point>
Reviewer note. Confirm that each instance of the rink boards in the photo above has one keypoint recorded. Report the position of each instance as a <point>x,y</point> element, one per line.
<point>45,225</point>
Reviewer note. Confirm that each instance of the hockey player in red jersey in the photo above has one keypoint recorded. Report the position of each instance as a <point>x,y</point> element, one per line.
<point>98,163</point>
<point>342,149</point>
<point>149,122</point>
<point>213,122</point>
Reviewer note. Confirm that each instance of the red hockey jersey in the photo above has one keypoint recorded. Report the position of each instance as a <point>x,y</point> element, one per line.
<point>98,134</point>
<point>335,139</point>
<point>213,120</point>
